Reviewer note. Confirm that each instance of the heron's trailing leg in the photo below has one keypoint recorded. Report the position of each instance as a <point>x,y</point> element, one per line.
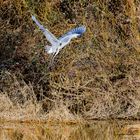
<point>53,57</point>
<point>57,51</point>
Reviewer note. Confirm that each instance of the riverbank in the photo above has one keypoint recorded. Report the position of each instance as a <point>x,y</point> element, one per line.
<point>97,76</point>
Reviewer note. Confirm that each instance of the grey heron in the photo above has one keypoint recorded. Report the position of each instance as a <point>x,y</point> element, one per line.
<point>58,43</point>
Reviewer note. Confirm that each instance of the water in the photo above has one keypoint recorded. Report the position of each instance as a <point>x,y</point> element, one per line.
<point>95,130</point>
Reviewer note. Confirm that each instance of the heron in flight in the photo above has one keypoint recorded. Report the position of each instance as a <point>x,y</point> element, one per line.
<point>58,43</point>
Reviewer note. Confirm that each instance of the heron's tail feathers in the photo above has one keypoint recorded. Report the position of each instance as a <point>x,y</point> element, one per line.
<point>49,49</point>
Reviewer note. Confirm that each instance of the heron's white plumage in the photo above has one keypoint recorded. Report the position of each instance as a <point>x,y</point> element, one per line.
<point>61,42</point>
<point>76,31</point>
<point>50,37</point>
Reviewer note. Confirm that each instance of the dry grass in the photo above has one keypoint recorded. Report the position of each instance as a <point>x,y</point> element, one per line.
<point>96,76</point>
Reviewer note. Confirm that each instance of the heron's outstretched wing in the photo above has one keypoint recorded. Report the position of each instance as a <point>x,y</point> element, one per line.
<point>77,31</point>
<point>50,37</point>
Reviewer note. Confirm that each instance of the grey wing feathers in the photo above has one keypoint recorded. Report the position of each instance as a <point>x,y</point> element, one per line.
<point>50,37</point>
<point>79,30</point>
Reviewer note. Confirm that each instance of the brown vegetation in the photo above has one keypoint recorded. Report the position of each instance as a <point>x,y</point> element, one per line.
<point>96,76</point>
<point>102,130</point>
